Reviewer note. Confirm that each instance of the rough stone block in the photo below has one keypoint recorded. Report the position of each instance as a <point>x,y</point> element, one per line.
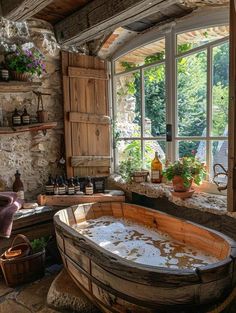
<point>64,294</point>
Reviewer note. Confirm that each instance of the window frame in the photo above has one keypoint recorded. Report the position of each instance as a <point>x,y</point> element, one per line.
<point>203,18</point>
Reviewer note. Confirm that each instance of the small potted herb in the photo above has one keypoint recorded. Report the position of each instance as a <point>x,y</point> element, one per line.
<point>185,171</point>
<point>24,63</point>
<point>38,245</point>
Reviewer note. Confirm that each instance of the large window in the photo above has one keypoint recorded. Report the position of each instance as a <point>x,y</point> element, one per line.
<point>180,79</point>
<point>140,111</point>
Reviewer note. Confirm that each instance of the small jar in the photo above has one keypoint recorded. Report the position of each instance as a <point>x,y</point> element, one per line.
<point>4,73</point>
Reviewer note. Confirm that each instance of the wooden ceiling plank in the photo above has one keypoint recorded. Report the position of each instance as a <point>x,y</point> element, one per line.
<point>20,10</point>
<point>99,16</point>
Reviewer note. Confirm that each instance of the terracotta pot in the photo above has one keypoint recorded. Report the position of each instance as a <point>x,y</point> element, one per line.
<point>21,76</point>
<point>178,184</point>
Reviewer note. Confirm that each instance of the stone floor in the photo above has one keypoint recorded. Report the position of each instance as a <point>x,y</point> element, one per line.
<point>29,298</point>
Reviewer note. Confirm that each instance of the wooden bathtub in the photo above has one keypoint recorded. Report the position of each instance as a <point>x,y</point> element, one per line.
<point>115,284</point>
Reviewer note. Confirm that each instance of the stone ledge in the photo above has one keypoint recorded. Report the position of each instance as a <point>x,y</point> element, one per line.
<point>201,201</point>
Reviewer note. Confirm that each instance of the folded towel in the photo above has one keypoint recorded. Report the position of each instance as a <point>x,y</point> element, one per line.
<point>7,198</point>
<point>9,204</point>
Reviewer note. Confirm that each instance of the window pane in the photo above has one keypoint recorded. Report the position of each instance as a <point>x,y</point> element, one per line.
<point>192,94</point>
<point>220,90</point>
<point>148,54</point>
<point>129,156</point>
<point>151,146</point>
<point>155,102</point>
<point>128,105</point>
<point>189,148</point>
<point>199,37</point>
<point>219,155</point>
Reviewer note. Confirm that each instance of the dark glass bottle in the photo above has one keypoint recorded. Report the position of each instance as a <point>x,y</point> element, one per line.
<point>18,186</point>
<point>49,187</point>
<point>71,187</point>
<point>65,182</point>
<point>25,118</point>
<point>62,187</point>
<point>16,118</point>
<point>77,185</point>
<point>89,187</point>
<point>56,187</point>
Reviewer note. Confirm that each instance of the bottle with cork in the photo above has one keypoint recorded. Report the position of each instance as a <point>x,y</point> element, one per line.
<point>18,186</point>
<point>156,170</point>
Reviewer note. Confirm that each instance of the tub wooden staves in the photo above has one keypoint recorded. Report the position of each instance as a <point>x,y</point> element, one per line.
<point>116,284</point>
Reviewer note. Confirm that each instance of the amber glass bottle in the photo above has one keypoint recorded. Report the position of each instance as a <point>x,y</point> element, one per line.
<point>56,187</point>
<point>89,187</point>
<point>62,186</point>
<point>71,187</point>
<point>49,187</point>
<point>25,118</point>
<point>16,118</point>
<point>156,170</point>
<point>18,186</point>
<point>77,185</point>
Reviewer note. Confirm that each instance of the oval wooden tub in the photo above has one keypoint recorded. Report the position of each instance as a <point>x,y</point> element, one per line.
<point>115,284</point>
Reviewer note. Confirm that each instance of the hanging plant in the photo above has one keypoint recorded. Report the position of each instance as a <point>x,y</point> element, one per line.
<point>26,61</point>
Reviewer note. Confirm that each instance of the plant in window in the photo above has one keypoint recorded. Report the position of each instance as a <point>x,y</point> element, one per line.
<point>132,162</point>
<point>185,171</point>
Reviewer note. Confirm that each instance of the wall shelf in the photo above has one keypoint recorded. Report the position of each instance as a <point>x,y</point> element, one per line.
<point>31,127</point>
<point>18,86</point>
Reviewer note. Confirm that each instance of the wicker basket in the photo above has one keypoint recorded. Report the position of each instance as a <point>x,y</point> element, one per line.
<point>20,250</point>
<point>24,269</point>
<point>25,77</point>
<point>140,176</point>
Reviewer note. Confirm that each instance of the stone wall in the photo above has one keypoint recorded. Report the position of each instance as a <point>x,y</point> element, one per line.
<point>32,153</point>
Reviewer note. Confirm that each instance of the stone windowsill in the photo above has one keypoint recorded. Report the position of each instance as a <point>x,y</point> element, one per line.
<point>206,202</point>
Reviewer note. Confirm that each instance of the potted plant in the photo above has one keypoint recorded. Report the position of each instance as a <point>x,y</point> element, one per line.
<point>24,63</point>
<point>184,172</point>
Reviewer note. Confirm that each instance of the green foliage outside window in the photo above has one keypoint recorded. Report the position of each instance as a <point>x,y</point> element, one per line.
<point>192,96</point>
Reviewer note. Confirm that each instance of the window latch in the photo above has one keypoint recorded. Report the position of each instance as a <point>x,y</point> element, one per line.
<point>168,132</point>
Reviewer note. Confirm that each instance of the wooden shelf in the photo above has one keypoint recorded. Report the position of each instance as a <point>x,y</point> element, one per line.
<point>31,127</point>
<point>68,200</point>
<point>18,86</point>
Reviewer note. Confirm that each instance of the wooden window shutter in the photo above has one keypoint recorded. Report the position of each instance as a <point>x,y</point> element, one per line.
<point>86,115</point>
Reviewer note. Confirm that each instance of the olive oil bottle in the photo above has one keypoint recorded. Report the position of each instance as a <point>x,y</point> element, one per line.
<point>156,170</point>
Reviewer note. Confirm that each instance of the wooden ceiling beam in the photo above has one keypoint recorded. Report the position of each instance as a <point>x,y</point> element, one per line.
<point>100,16</point>
<point>20,10</point>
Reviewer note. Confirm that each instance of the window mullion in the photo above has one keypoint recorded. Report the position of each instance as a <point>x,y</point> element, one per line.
<point>114,114</point>
<point>170,92</point>
<point>209,106</point>
<point>142,113</point>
